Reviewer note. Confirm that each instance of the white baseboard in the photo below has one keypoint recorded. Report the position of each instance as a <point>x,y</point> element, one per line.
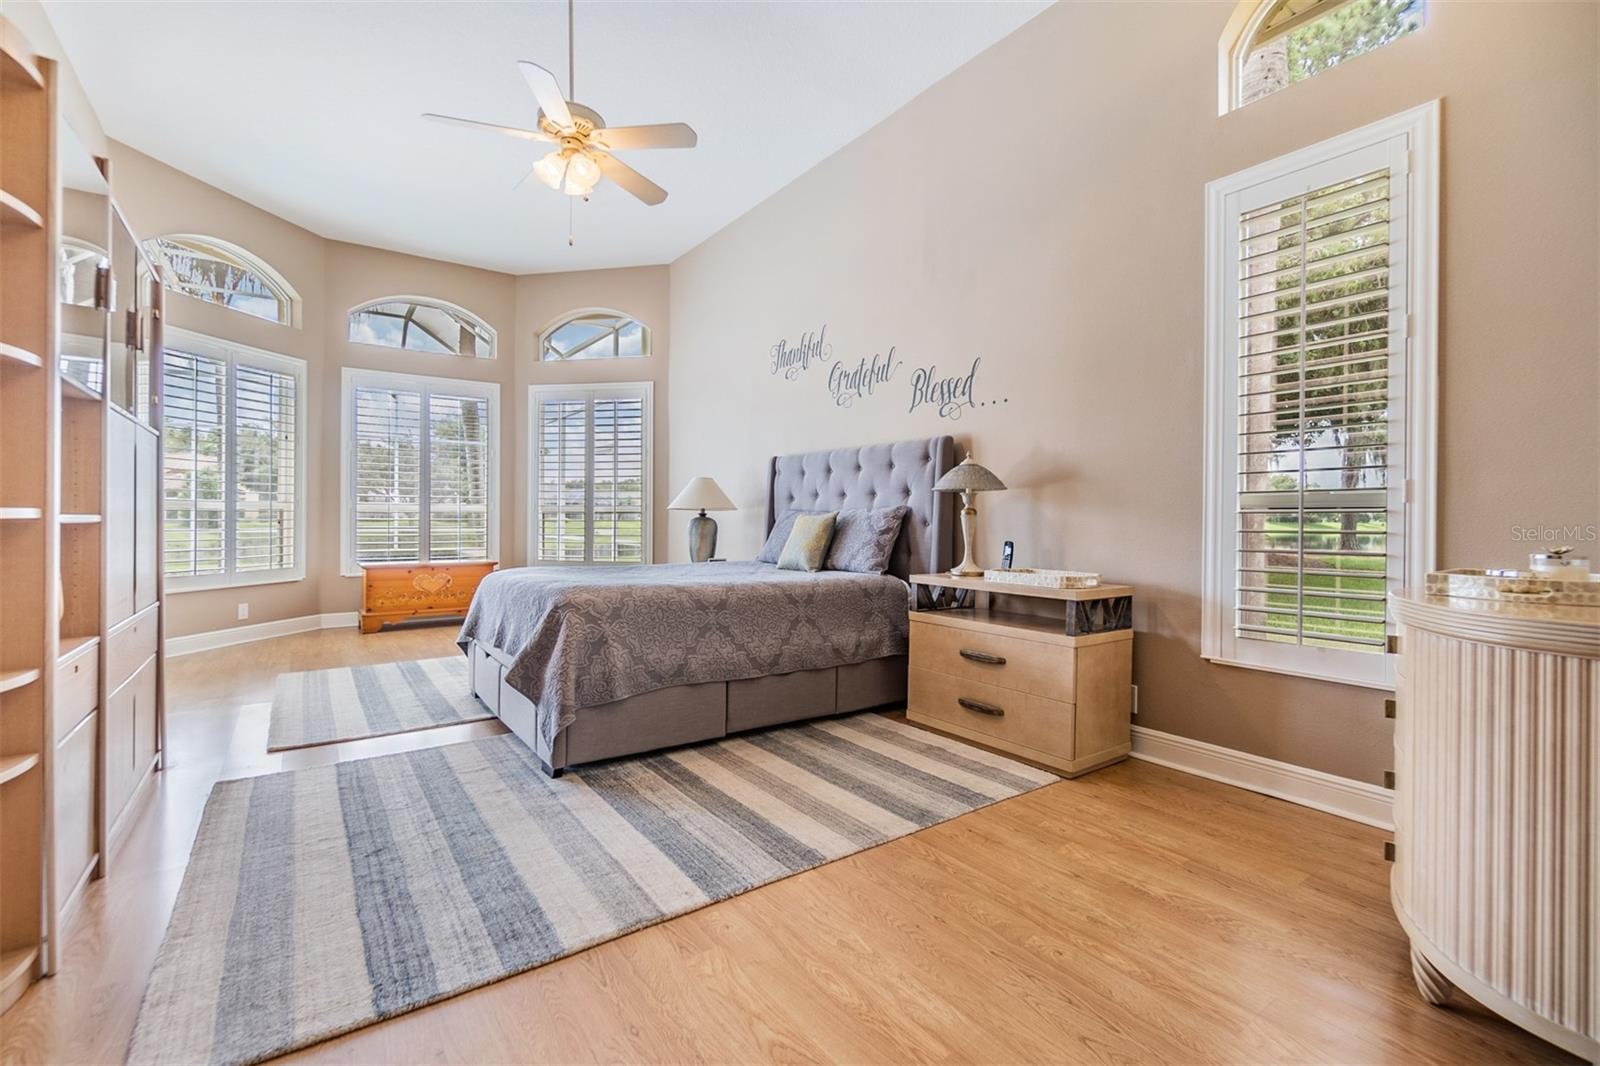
<point>223,638</point>
<point>1360,802</point>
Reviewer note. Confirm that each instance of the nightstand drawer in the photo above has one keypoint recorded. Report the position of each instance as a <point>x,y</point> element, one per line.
<point>1008,662</point>
<point>1019,718</point>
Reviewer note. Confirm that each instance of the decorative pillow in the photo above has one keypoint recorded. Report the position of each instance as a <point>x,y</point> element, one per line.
<point>779,536</point>
<point>863,540</point>
<point>808,541</point>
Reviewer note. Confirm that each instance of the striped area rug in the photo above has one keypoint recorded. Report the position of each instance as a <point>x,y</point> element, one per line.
<point>352,702</point>
<point>320,900</point>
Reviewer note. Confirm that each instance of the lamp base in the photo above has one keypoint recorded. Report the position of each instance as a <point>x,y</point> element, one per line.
<point>968,566</point>
<point>702,537</point>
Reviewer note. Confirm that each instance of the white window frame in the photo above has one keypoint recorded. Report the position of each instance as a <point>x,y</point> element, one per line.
<point>353,378</point>
<point>232,354</point>
<point>591,393</point>
<point>647,340</point>
<point>1409,142</point>
<point>285,292</point>
<point>438,305</point>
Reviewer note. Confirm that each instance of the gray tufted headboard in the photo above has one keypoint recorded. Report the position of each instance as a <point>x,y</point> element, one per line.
<point>876,475</point>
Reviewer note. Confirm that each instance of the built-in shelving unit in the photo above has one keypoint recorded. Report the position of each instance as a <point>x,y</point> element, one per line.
<point>81,723</point>
<point>27,518</point>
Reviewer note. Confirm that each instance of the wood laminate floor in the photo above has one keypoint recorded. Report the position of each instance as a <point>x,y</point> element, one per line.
<point>1134,915</point>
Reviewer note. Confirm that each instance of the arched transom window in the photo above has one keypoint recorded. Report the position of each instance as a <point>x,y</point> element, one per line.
<point>595,334</point>
<point>419,324</point>
<point>221,273</point>
<point>1275,43</point>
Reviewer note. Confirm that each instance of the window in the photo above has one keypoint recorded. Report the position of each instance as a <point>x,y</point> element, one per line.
<point>591,474</point>
<point>224,274</point>
<point>596,334</point>
<point>232,464</point>
<point>1285,41</point>
<point>419,324</point>
<point>78,271</point>
<point>1319,415</point>
<point>411,439</point>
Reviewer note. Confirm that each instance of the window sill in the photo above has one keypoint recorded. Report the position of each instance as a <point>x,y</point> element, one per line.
<point>177,586</point>
<point>1310,675</point>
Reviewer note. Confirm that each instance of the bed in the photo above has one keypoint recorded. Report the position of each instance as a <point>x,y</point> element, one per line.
<point>589,663</point>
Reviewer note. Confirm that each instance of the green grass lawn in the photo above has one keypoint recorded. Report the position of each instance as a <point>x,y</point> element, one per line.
<point>1358,575</point>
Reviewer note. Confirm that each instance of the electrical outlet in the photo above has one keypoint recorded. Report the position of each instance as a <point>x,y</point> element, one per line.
<point>1135,699</point>
<point>244,611</point>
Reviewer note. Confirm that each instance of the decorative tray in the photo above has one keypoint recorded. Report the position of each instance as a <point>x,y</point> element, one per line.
<point>1514,586</point>
<point>1050,579</point>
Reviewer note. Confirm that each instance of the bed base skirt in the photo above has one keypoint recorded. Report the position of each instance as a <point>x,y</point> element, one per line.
<point>685,714</point>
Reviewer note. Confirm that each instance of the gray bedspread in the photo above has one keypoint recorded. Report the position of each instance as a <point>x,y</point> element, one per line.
<point>584,636</point>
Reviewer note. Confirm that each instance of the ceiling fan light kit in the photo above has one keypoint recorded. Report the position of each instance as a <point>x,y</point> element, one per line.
<point>583,144</point>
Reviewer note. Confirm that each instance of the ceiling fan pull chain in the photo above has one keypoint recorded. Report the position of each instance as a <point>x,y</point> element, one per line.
<point>571,240</point>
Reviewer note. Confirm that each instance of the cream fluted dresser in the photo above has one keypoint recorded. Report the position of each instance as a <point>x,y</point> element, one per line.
<point>1496,808</point>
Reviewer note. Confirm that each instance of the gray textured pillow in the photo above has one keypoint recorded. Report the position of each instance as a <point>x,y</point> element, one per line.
<point>863,540</point>
<point>779,536</point>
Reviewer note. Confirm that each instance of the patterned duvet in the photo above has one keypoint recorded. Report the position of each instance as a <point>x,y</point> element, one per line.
<point>583,636</point>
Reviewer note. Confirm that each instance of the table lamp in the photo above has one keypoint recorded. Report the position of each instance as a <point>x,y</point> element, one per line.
<point>967,477</point>
<point>702,494</point>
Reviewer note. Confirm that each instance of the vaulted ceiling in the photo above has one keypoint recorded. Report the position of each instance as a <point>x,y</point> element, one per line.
<point>311,110</point>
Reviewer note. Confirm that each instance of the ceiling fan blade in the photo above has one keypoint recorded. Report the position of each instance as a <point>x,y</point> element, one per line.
<point>510,131</point>
<point>630,179</point>
<point>630,138</point>
<point>547,90</point>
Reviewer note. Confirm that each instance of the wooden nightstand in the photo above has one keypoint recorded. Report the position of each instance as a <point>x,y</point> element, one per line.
<point>1054,690</point>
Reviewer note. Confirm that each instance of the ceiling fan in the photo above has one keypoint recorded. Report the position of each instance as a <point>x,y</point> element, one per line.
<point>583,142</point>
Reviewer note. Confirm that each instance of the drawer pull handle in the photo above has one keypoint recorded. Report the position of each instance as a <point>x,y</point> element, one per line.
<point>981,707</point>
<point>983,657</point>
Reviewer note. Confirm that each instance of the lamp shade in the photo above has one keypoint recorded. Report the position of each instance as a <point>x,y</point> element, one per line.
<point>968,476</point>
<point>702,494</point>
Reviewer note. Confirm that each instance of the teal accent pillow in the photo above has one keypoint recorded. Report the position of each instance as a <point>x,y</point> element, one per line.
<point>808,541</point>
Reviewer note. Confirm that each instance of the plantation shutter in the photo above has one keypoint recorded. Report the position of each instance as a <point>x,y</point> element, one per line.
<point>387,430</point>
<point>458,477</point>
<point>563,479</point>
<point>194,473</point>
<point>591,472</point>
<point>617,514</point>
<point>1320,327</point>
<point>264,447</point>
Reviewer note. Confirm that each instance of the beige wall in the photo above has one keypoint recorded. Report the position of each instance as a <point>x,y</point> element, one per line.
<point>331,277</point>
<point>1072,264</point>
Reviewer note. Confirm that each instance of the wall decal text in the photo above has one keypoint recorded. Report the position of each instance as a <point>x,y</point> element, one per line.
<point>861,380</point>
<point>950,395</point>
<point>792,360</point>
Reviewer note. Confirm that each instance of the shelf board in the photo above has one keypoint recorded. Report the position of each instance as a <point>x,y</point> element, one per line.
<point>20,514</point>
<point>20,70</point>
<point>73,389</point>
<point>14,766</point>
<point>14,211</point>
<point>21,355</point>
<point>10,679</point>
<point>80,519</point>
<point>70,646</point>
